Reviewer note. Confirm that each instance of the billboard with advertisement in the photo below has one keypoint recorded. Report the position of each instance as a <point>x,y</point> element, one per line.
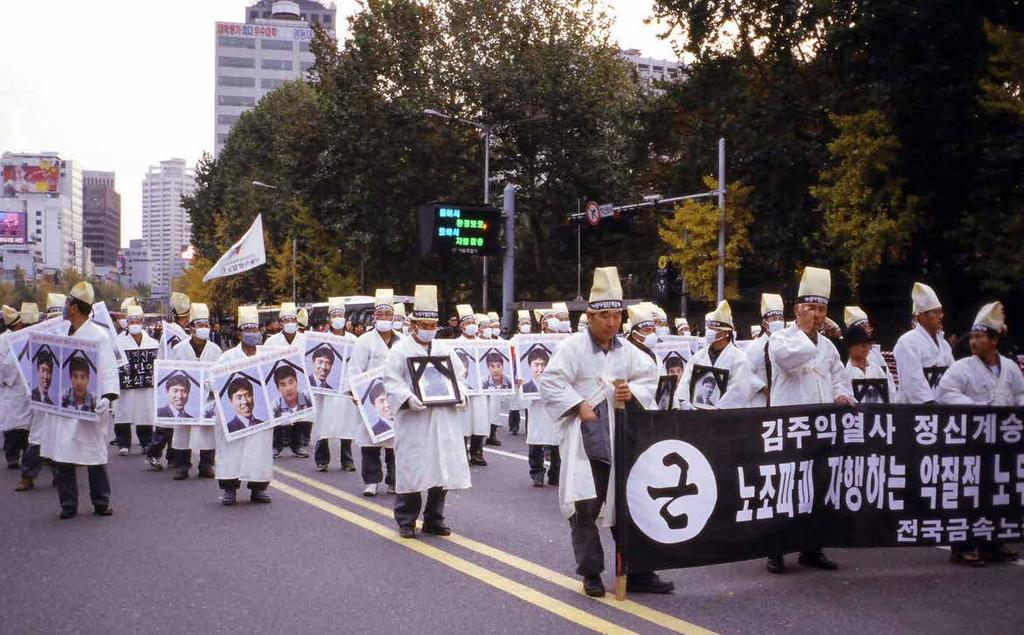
<point>31,176</point>
<point>13,230</point>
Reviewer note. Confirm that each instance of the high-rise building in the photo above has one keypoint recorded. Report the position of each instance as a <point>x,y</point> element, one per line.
<point>166,227</point>
<point>101,217</point>
<point>651,69</point>
<point>135,264</point>
<point>255,57</point>
<point>41,203</point>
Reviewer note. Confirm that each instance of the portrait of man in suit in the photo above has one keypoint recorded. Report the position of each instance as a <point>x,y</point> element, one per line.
<point>537,359</point>
<point>376,397</point>
<point>323,363</point>
<point>44,364</point>
<point>241,395</point>
<point>77,396</point>
<point>292,399</point>
<point>178,389</point>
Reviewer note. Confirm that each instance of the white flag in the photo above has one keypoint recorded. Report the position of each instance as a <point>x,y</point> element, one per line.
<point>244,255</point>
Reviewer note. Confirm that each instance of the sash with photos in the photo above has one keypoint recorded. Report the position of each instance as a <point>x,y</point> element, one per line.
<point>532,353</point>
<point>487,365</point>
<point>374,407</point>
<point>707,385</point>
<point>19,347</point>
<point>326,362</point>
<point>434,381</point>
<point>182,395</point>
<point>875,390</point>
<point>63,376</point>
<point>257,393</point>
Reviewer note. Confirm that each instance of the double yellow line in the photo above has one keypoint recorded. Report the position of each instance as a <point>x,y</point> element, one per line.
<point>526,593</point>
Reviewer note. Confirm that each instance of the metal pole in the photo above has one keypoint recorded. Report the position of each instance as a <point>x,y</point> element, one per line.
<point>579,263</point>
<point>508,269</point>
<point>721,222</point>
<point>295,243</point>
<point>487,195</point>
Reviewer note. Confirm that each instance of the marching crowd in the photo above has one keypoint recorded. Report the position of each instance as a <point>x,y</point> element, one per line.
<point>568,427</point>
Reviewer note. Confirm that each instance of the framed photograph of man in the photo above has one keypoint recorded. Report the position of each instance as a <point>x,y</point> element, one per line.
<point>531,354</point>
<point>494,364</point>
<point>326,359</point>
<point>78,381</point>
<point>242,403</point>
<point>44,376</point>
<point>374,407</point>
<point>433,380</point>
<point>871,390</point>
<point>707,384</point>
<point>288,389</point>
<point>179,395</point>
<point>666,392</point>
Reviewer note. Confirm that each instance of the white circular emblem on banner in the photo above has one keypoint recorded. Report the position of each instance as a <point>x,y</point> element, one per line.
<point>671,491</point>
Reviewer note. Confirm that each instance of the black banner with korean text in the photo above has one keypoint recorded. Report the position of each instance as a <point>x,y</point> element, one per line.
<point>138,372</point>
<point>705,487</point>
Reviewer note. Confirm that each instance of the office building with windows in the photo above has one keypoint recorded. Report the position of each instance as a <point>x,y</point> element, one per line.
<point>650,70</point>
<point>166,227</point>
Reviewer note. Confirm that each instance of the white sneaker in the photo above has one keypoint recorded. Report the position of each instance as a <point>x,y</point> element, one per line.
<point>122,452</point>
<point>371,490</point>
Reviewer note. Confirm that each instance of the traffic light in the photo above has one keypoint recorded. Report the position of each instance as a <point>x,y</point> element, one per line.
<point>451,228</point>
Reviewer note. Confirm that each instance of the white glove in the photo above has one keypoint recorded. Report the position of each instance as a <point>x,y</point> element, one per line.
<point>102,406</point>
<point>415,404</point>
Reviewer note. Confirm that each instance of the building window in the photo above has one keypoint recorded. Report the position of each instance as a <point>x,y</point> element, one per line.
<point>276,65</point>
<point>237,82</point>
<point>235,100</point>
<point>227,119</point>
<point>304,47</point>
<point>235,62</point>
<point>236,42</point>
<point>270,84</point>
<point>276,45</point>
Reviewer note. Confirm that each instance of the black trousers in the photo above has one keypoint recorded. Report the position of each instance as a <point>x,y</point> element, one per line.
<point>513,422</point>
<point>536,457</point>
<point>182,459</point>
<point>371,467</point>
<point>287,435</point>
<point>161,439</point>
<point>303,429</point>
<point>407,507</point>
<point>15,442</point>
<point>322,453</point>
<point>65,474</point>
<point>123,435</point>
<point>234,483</point>
<point>31,462</point>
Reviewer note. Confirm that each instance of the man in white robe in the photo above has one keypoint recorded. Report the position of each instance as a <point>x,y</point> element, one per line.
<point>542,435</point>
<point>173,333</point>
<point>922,354</point>
<point>586,370</point>
<point>986,378</point>
<point>806,369</point>
<point>430,454</point>
<point>336,417</point>
<point>14,415</point>
<point>475,416</point>
<point>861,367</point>
<point>135,405</point>
<point>188,438</point>
<point>729,380</point>
<point>758,366</point>
<point>289,335</point>
<point>31,460</point>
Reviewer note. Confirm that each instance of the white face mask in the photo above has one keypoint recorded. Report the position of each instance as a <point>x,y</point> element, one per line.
<point>661,331</point>
<point>424,335</point>
<point>291,327</point>
<point>202,332</point>
<point>384,326</point>
<point>471,330</point>
<point>776,326</point>
<point>524,328</point>
<point>650,339</point>
<point>555,325</point>
<point>134,329</point>
<point>489,333</point>
<point>122,323</point>
<point>710,337</point>
<point>337,323</point>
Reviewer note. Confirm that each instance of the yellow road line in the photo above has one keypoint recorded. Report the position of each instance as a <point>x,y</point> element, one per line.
<point>521,591</point>
<point>636,609</point>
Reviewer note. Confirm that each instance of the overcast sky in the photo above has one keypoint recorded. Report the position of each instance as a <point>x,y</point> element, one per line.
<point>123,84</point>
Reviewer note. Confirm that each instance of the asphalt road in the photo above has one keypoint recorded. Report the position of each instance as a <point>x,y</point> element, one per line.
<point>324,559</point>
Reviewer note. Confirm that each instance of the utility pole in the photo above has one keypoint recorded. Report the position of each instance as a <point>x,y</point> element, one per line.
<point>721,220</point>
<point>488,129</point>
<point>508,269</point>
<point>295,247</point>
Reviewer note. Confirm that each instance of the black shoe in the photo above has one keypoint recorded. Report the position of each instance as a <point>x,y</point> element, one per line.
<point>181,475</point>
<point>13,465</point>
<point>648,583</point>
<point>493,441</point>
<point>593,586</point>
<point>321,467</point>
<point>437,530</point>
<point>228,497</point>
<point>776,564</point>
<point>106,510</point>
<point>538,482</point>
<point>277,452</point>
<point>348,467</point>
<point>299,452</point>
<point>817,560</point>
<point>553,480</point>
<point>478,460</point>
<point>407,532</point>
<point>207,472</point>
<point>260,496</point>
<point>67,513</point>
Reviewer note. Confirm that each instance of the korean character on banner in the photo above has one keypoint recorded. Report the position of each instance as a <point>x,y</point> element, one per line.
<point>834,495</point>
<point>929,478</point>
<point>853,427</point>
<point>825,427</point>
<point>747,493</point>
<point>798,429</point>
<point>767,493</point>
<point>931,530</point>
<point>784,502</point>
<point>955,432</point>
<point>926,428</point>
<point>956,529</point>
<point>1010,429</point>
<point>853,481</point>
<point>1002,481</point>
<point>950,477</point>
<point>982,529</point>
<point>882,427</point>
<point>772,435</point>
<point>805,488</point>
<point>874,487</point>
<point>897,481</point>
<point>906,531</point>
<point>984,428</point>
<point>970,478</point>
<point>1008,530</point>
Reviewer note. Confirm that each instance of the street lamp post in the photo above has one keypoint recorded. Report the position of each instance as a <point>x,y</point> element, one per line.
<point>295,241</point>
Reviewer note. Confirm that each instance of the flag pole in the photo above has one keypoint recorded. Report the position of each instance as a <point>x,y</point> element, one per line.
<point>618,454</point>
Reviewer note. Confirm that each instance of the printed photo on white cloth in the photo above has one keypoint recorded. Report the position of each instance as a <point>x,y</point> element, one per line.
<point>247,393</point>
<point>182,395</point>
<point>487,364</point>
<point>531,355</point>
<point>326,363</point>
<point>374,408</point>
<point>20,348</point>
<point>69,386</point>
<point>288,388</point>
<point>679,346</point>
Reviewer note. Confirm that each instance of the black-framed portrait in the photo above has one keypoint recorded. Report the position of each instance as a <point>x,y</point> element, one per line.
<point>933,374</point>
<point>874,390</point>
<point>433,380</point>
<point>707,385</point>
<point>666,393</point>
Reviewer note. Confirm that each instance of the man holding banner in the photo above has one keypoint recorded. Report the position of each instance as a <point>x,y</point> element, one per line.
<point>588,371</point>
<point>188,438</point>
<point>135,405</point>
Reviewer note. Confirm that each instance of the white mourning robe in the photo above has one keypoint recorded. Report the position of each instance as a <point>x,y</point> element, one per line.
<point>14,400</point>
<point>429,447</point>
<point>580,371</point>
<point>336,417</point>
<point>475,418</point>
<point>188,437</point>
<point>915,351</point>
<point>731,358</point>
<point>970,382</point>
<point>135,405</point>
<point>757,371</point>
<point>873,371</point>
<point>80,441</point>
<point>369,353</point>
<point>250,458</point>
<point>804,372</point>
